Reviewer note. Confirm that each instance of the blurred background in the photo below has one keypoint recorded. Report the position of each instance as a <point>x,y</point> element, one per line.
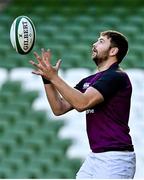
<point>33,142</point>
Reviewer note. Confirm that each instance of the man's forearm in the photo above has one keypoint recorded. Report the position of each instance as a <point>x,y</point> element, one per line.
<point>58,105</point>
<point>72,95</point>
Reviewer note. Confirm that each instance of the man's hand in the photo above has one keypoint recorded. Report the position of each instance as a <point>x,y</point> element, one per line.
<point>44,67</point>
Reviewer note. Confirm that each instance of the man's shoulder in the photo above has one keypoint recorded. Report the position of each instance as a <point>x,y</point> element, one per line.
<point>116,72</point>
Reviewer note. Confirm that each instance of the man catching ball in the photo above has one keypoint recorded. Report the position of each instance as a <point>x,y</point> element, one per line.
<point>106,98</point>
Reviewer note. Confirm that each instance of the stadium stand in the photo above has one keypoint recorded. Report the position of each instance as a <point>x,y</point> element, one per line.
<point>29,140</point>
<point>35,143</point>
<point>75,28</point>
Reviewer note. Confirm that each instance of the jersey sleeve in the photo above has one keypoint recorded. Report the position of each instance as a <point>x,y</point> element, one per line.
<point>79,85</point>
<point>109,84</point>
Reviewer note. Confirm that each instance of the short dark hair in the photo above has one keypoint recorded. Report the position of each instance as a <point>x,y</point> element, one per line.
<point>117,40</point>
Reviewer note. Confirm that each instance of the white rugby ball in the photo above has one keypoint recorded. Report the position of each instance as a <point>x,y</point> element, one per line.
<point>22,34</point>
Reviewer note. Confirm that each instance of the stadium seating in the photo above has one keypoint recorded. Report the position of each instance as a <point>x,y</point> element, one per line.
<point>75,34</point>
<point>29,140</point>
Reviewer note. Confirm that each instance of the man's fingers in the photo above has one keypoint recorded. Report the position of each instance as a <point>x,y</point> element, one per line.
<point>49,53</point>
<point>37,72</point>
<point>47,56</point>
<point>38,66</point>
<point>33,63</point>
<point>42,53</point>
<point>37,56</point>
<point>39,59</point>
<point>58,64</point>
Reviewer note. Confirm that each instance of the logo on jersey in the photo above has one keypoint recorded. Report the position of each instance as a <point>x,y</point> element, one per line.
<point>86,85</point>
<point>89,111</point>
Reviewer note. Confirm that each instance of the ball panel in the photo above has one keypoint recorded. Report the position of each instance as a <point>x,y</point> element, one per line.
<point>33,33</point>
<point>23,34</point>
<point>18,47</point>
<point>12,35</point>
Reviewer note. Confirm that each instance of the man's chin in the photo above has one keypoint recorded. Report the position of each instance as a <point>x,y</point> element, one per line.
<point>95,60</point>
<point>94,57</point>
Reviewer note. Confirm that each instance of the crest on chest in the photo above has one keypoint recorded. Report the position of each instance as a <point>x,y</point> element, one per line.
<point>86,85</point>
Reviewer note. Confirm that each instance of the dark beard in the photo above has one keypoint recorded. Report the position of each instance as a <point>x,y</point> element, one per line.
<point>98,60</point>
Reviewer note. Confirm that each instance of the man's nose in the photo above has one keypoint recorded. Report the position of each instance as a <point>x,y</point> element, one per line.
<point>94,45</point>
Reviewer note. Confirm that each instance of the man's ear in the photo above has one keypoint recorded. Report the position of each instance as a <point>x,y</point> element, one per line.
<point>113,51</point>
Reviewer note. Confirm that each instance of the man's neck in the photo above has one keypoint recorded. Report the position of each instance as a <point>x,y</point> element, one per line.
<point>105,65</point>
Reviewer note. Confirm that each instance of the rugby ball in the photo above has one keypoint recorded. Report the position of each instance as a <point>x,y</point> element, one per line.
<point>22,34</point>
